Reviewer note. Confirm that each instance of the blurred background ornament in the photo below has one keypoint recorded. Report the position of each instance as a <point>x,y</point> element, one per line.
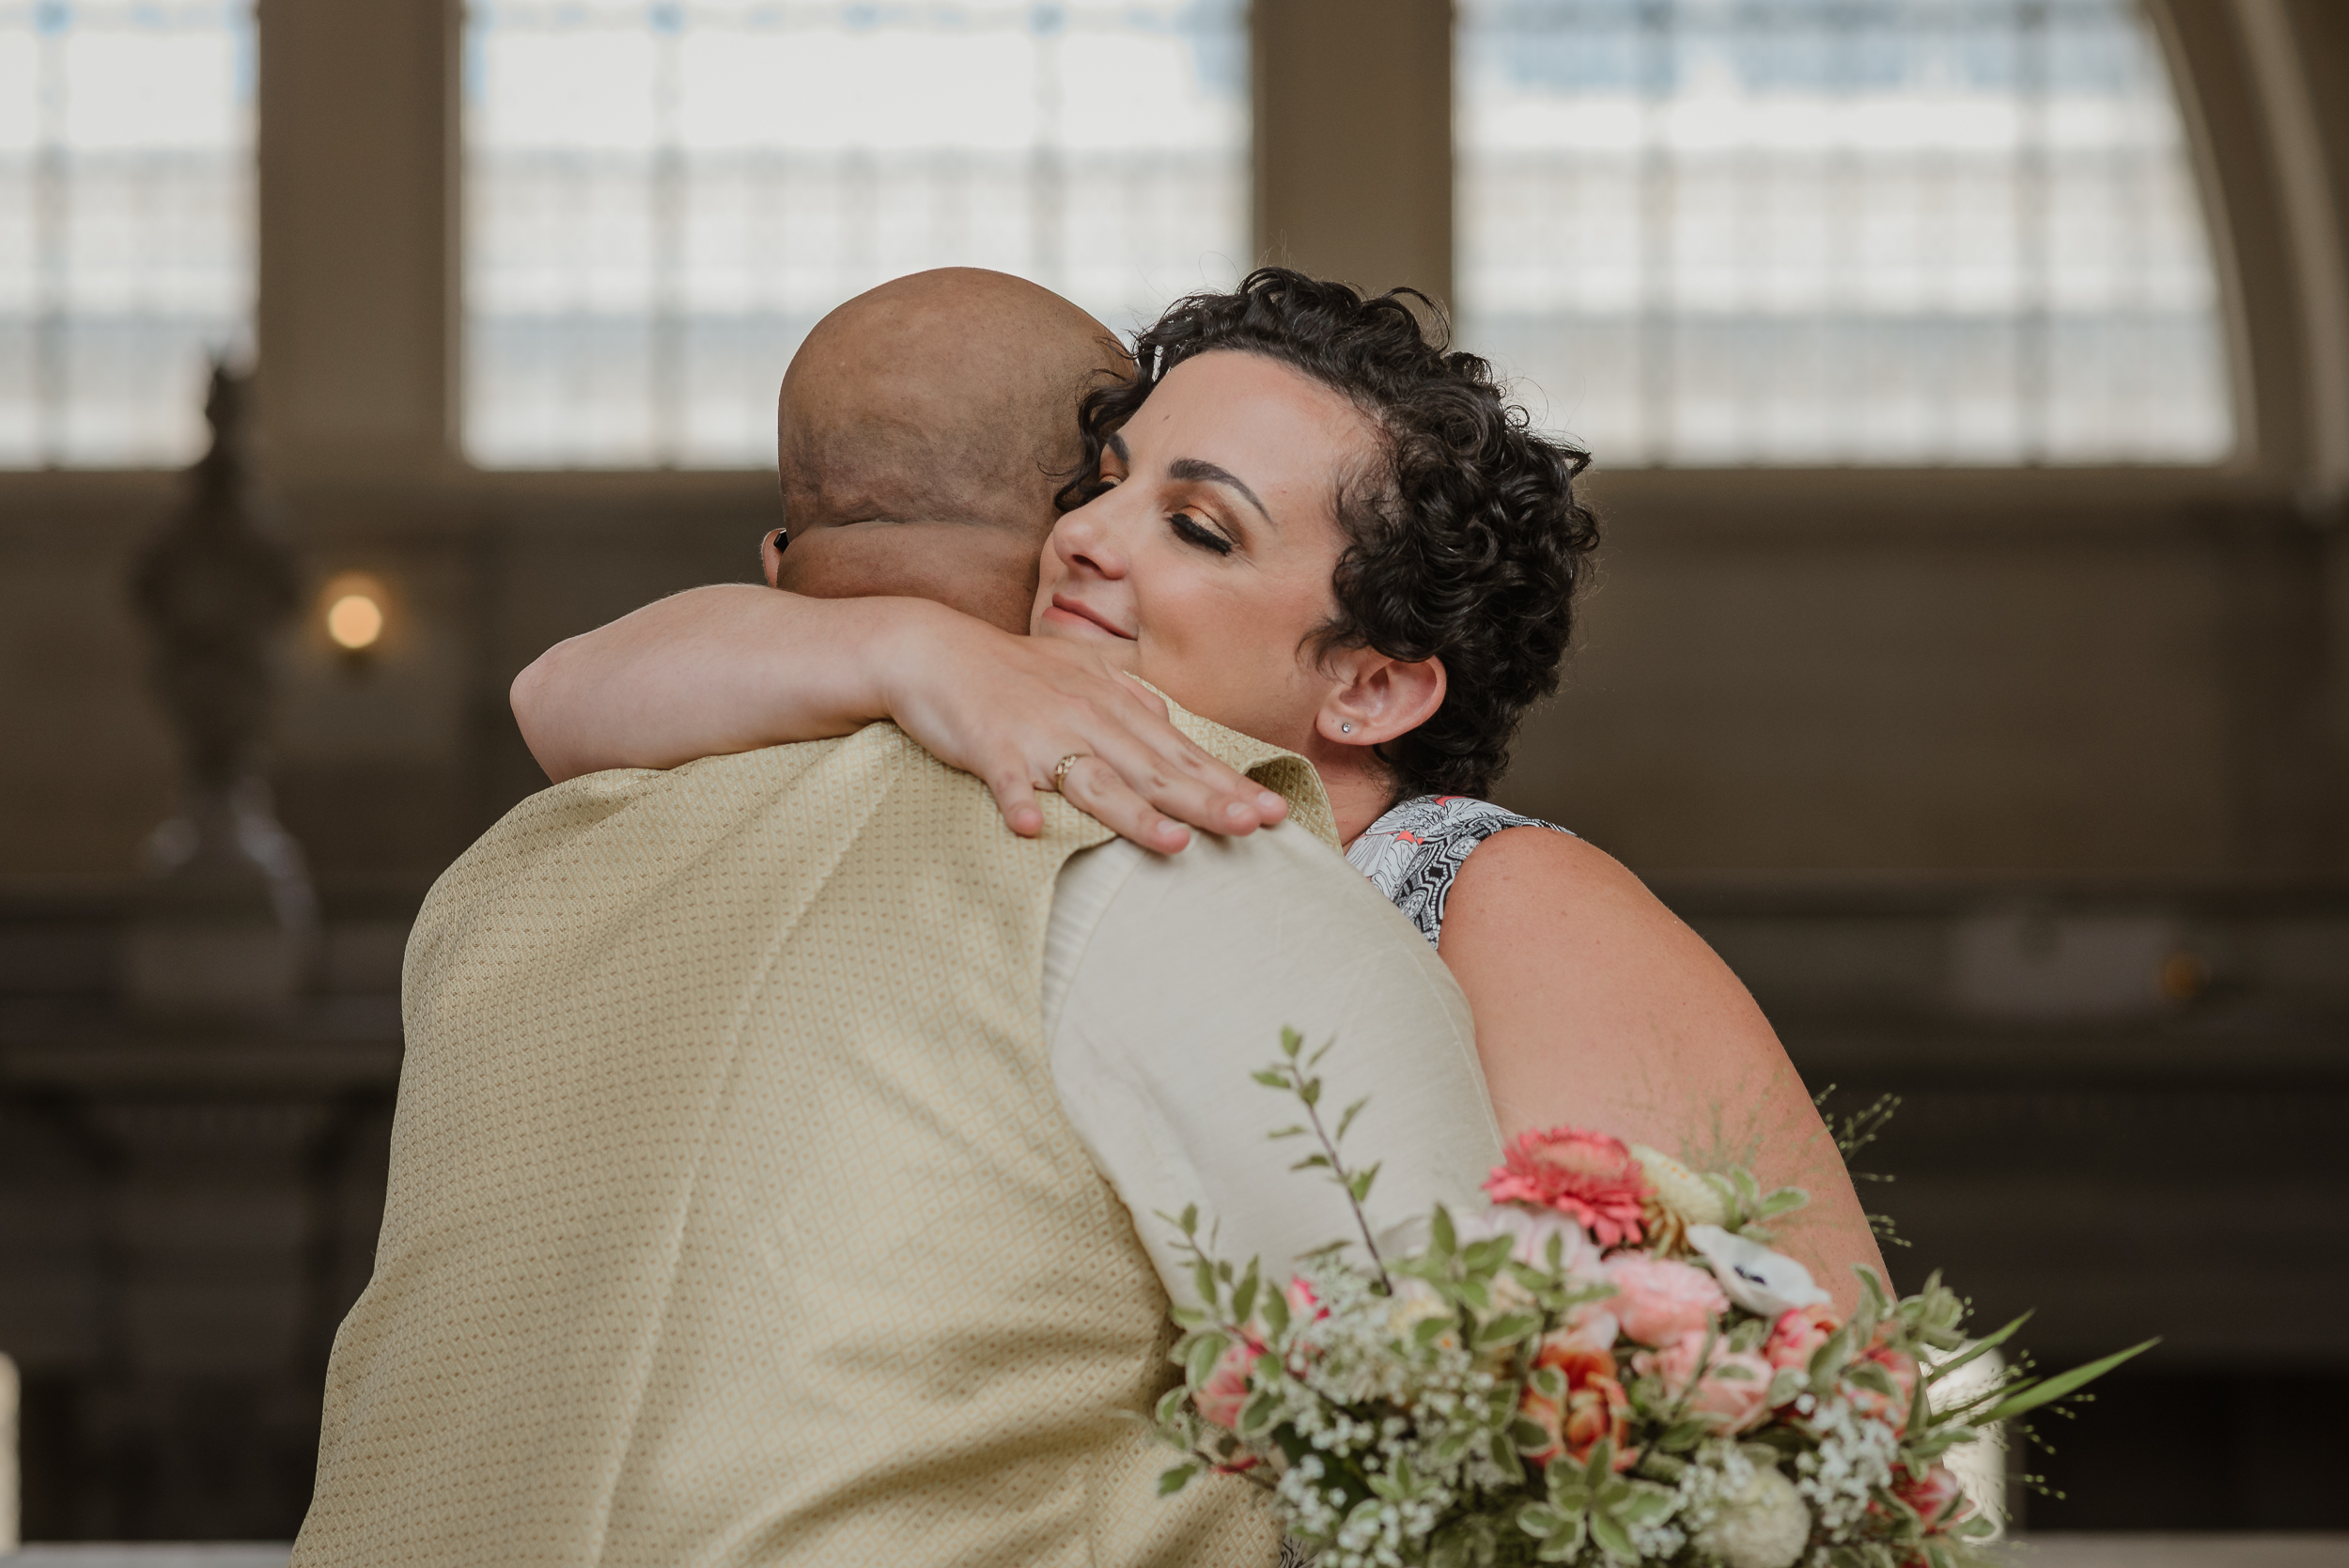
<point>227,923</point>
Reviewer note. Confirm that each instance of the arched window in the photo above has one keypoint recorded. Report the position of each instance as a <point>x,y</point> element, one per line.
<point>126,224</point>
<point>1839,231</point>
<point>661,198</point>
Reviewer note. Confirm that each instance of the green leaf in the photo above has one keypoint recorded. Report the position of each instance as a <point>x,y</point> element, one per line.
<point>1488,1254</point>
<point>1507,1326</point>
<point>1202,1358</point>
<point>1276,1313</point>
<point>1175,1480</point>
<point>1663,1467</point>
<point>1541,1521</point>
<point>1258,1412</point>
<point>1528,1435</point>
<point>1443,1240</point>
<point>1351,1111</point>
<point>1325,1047</point>
<point>1358,1182</point>
<point>1291,1042</point>
<point>1311,1162</point>
<point>1310,1090</point>
<point>1869,1375</point>
<point>1829,1358</point>
<point>2056,1386</point>
<point>1298,1130</point>
<point>1271,1077</point>
<point>1202,1275</point>
<point>1244,1294</point>
<point>1980,1347</point>
<point>1548,1382</point>
<point>1612,1538</point>
<point>1683,1434</point>
<point>1648,1503</point>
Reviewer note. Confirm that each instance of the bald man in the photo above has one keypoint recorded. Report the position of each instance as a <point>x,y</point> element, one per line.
<point>921,430</point>
<point>780,1143</point>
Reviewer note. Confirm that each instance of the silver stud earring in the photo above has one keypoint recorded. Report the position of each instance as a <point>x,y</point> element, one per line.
<point>1345,729</point>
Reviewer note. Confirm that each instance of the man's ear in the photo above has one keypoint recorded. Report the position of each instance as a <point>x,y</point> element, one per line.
<point>1377,698</point>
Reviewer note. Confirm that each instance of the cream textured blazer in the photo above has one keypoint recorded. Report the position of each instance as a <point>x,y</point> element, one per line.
<point>736,1216</point>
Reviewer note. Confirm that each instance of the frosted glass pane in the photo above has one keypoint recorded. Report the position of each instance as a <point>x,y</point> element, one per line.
<point>660,199</point>
<point>126,225</point>
<point>1838,231</point>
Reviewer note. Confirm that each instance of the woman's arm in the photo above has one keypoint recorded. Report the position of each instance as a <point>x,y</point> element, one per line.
<point>732,668</point>
<point>1596,1007</point>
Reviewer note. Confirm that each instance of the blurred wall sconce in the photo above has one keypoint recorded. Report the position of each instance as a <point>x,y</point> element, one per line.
<point>354,607</point>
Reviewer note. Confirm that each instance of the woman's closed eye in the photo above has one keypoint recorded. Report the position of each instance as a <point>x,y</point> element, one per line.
<point>1193,532</point>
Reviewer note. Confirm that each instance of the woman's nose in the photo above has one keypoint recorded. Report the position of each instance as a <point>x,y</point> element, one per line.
<point>1086,538</point>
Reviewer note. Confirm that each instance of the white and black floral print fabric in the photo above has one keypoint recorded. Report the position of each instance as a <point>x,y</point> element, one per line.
<point>1412,853</point>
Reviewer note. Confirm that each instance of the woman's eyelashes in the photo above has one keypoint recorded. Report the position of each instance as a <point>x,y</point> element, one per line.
<point>1191,531</point>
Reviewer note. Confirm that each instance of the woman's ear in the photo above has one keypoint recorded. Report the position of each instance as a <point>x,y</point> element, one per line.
<point>1377,698</point>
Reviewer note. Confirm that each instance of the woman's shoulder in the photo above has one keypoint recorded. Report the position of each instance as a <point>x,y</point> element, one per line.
<point>1535,900</point>
<point>1416,850</point>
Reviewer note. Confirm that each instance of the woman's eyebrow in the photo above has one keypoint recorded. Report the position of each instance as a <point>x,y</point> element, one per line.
<point>1201,470</point>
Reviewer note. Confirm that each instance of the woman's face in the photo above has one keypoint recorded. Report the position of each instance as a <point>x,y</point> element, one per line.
<point>1206,565</point>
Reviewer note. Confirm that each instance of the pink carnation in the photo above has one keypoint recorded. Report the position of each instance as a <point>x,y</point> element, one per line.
<point>1869,1404</point>
<point>1936,1496</point>
<point>1226,1390</point>
<point>1796,1335</point>
<point>1587,1176</point>
<point>1733,1389</point>
<point>1656,1301</point>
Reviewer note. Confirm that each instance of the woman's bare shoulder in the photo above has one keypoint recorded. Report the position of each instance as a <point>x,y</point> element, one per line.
<point>1531,904</point>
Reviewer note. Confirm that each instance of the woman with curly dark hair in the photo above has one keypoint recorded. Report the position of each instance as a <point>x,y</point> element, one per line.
<point>1303,518</point>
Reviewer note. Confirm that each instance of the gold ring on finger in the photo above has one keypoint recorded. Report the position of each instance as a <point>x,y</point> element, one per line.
<point>1060,771</point>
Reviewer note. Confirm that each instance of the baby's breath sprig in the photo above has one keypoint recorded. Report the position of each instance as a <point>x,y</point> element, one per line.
<point>1296,1077</point>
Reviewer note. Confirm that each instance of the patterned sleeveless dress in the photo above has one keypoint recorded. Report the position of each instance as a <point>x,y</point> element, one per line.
<point>1412,853</point>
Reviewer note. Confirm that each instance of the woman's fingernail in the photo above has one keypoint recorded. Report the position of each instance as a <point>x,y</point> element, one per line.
<point>1267,802</point>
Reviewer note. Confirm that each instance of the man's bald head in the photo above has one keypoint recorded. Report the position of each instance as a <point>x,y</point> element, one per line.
<point>920,433</point>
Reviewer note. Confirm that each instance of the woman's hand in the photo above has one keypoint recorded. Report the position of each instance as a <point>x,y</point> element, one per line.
<point>1007,709</point>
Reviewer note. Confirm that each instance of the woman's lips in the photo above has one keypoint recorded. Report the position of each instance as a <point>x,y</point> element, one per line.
<point>1078,611</point>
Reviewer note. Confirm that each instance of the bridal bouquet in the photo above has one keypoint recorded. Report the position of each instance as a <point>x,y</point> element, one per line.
<point>1607,1365</point>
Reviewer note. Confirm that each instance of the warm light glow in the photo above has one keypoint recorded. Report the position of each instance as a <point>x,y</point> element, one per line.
<point>355,621</point>
<point>353,602</point>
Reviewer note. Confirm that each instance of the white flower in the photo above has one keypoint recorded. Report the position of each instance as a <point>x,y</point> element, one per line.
<point>1679,1188</point>
<point>1765,1526</point>
<point>1532,1233</point>
<point>1765,1283</point>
